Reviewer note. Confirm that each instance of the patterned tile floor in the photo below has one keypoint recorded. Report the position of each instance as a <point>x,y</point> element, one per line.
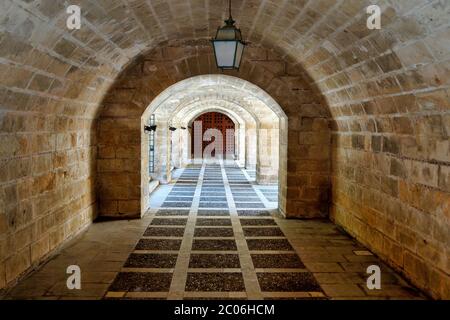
<point>214,235</point>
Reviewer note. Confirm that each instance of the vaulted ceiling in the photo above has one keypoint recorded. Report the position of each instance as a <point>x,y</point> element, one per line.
<point>327,38</point>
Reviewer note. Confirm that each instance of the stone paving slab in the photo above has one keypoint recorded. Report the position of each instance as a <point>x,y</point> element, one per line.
<point>214,261</point>
<point>214,245</point>
<point>258,222</point>
<point>246,199</point>
<point>212,194</point>
<point>158,244</point>
<point>293,282</point>
<point>253,213</point>
<point>207,282</point>
<point>213,199</point>
<point>173,198</point>
<point>169,213</point>
<point>168,222</point>
<point>141,282</point>
<point>250,205</point>
<point>213,222</point>
<point>283,261</point>
<point>139,260</point>
<point>221,205</point>
<point>176,205</point>
<point>263,232</point>
<point>269,244</point>
<point>214,232</point>
<point>181,194</point>
<point>164,232</point>
<point>210,213</point>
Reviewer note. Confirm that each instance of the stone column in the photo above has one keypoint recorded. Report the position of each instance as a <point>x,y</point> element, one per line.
<point>241,145</point>
<point>267,153</point>
<point>251,148</point>
<point>162,153</point>
<point>176,148</point>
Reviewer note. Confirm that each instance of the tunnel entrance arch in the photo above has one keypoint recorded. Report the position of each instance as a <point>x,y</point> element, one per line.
<point>224,97</point>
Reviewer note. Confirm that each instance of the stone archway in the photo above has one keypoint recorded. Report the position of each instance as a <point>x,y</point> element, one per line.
<point>250,101</point>
<point>307,186</point>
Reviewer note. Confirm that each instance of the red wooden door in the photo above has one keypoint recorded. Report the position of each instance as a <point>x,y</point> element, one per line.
<point>219,121</point>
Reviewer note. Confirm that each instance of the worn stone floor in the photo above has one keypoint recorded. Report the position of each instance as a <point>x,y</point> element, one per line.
<point>214,234</point>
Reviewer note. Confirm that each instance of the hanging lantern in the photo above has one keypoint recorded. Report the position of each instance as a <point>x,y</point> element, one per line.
<point>228,45</point>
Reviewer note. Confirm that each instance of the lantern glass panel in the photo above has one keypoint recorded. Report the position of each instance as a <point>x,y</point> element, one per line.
<point>239,53</point>
<point>225,53</point>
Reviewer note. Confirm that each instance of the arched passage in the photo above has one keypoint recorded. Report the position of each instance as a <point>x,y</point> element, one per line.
<point>266,123</point>
<point>386,91</point>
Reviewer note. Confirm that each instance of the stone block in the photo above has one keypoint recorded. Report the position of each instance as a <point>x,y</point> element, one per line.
<point>44,183</point>
<point>17,264</point>
<point>128,152</point>
<point>2,275</point>
<point>297,181</point>
<point>40,83</point>
<point>399,168</point>
<point>40,248</point>
<point>42,163</point>
<point>56,237</point>
<point>393,251</point>
<point>403,125</point>
<point>130,207</point>
<point>358,141</point>
<point>391,145</point>
<point>315,138</point>
<point>109,208</point>
<point>444,178</point>
<point>106,152</point>
<point>23,237</point>
<point>256,53</point>
<point>416,269</point>
<point>424,173</point>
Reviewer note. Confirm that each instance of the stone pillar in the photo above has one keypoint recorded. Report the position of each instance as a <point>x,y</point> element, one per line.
<point>118,167</point>
<point>267,153</point>
<point>308,163</point>
<point>176,148</point>
<point>185,147</point>
<point>162,153</point>
<point>251,149</point>
<point>241,145</point>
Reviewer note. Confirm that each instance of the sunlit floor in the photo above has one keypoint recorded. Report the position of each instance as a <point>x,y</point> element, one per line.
<point>214,234</point>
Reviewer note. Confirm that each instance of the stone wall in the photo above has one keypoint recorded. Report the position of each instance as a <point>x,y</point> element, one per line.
<point>47,139</point>
<point>388,94</point>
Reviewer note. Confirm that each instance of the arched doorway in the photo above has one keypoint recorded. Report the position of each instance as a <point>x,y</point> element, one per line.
<point>262,125</point>
<point>214,122</point>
